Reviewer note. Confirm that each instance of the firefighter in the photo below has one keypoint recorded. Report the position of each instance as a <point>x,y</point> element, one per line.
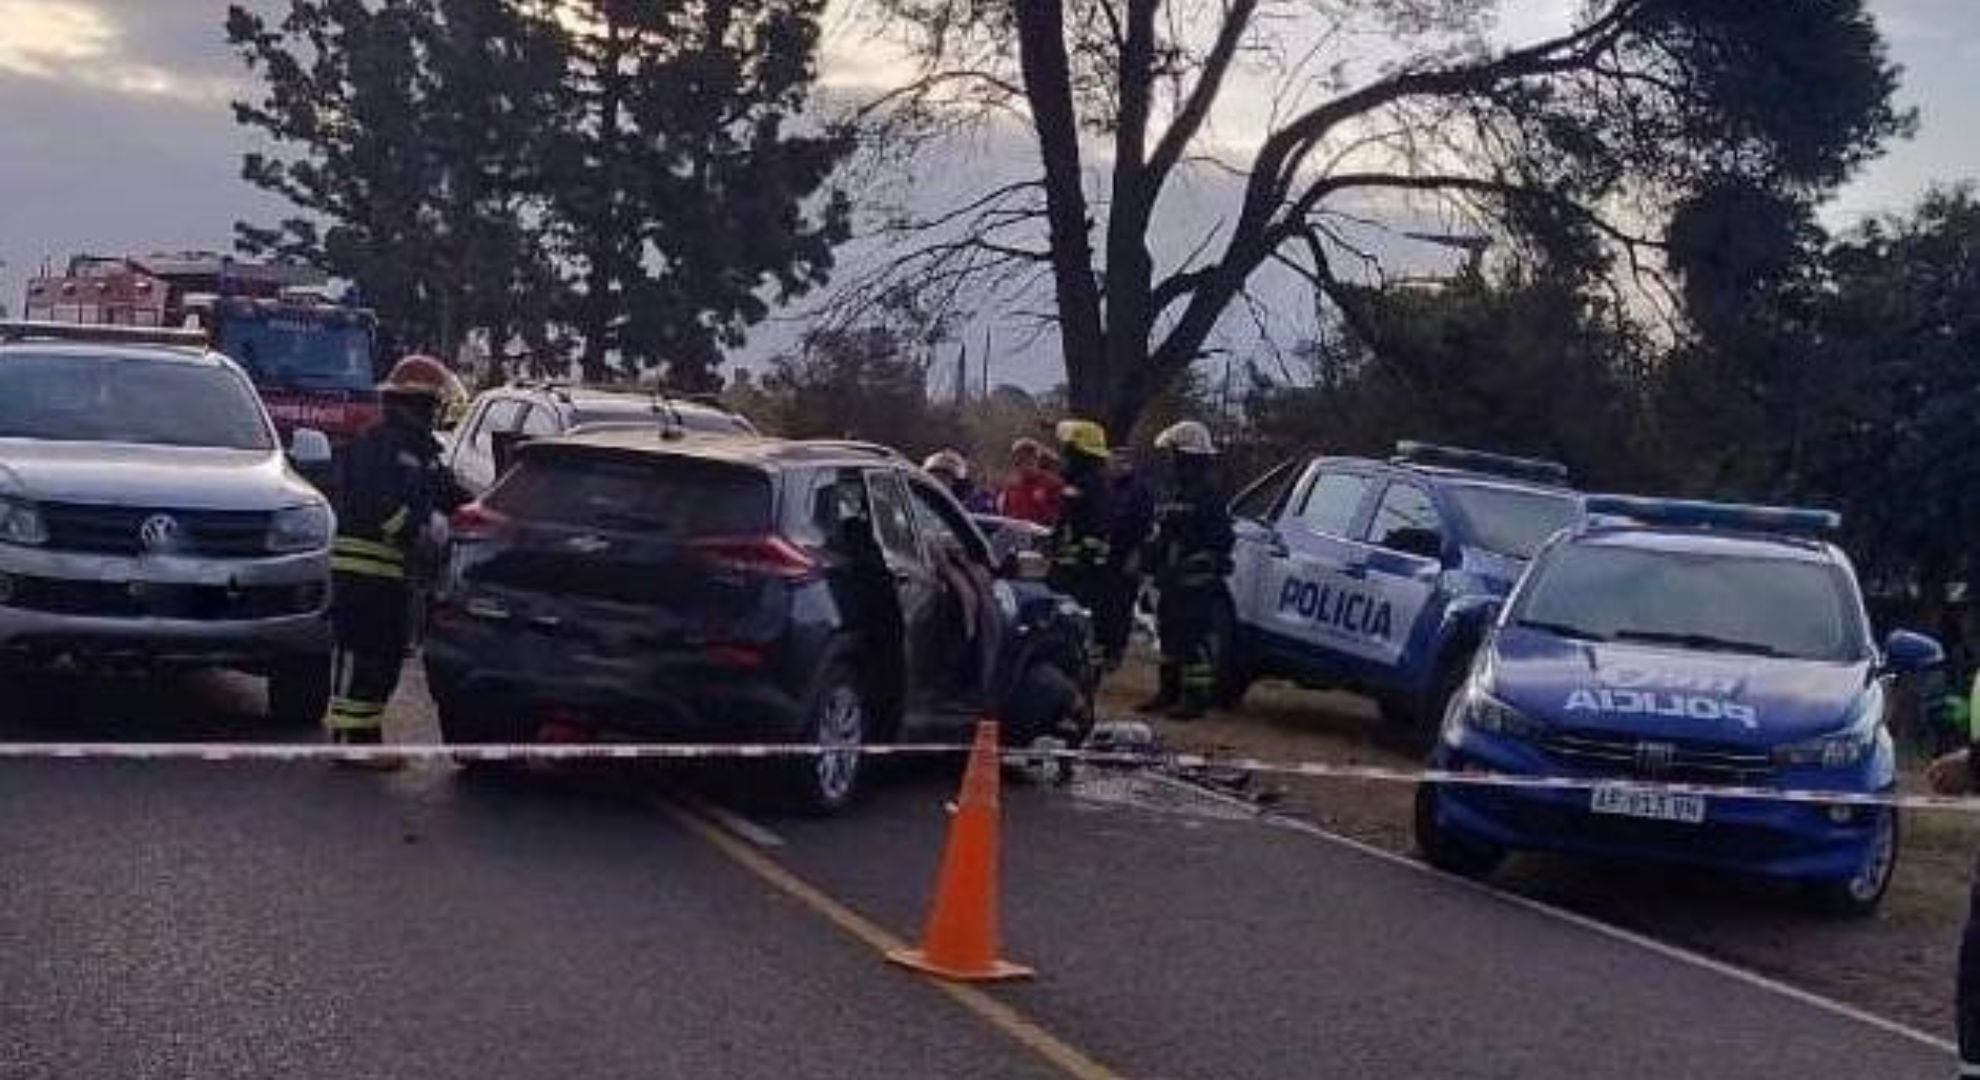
<point>389,487</point>
<point>1189,555</point>
<point>1081,546</point>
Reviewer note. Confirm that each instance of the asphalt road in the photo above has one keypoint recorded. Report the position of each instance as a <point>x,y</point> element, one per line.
<point>228,920</point>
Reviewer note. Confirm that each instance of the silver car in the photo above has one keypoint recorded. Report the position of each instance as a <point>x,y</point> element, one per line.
<point>150,517</point>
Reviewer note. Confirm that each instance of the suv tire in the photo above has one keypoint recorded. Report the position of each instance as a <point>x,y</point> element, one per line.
<point>1047,702</point>
<point>299,691</point>
<point>835,715</point>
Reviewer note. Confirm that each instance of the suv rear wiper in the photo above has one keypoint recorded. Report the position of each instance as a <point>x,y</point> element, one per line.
<point>1565,630</point>
<point>1697,641</point>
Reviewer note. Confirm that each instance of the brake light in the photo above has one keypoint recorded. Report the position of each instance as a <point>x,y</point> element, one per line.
<point>772,556</point>
<point>475,522</point>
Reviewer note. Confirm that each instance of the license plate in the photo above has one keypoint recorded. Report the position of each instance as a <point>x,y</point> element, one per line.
<point>1652,805</point>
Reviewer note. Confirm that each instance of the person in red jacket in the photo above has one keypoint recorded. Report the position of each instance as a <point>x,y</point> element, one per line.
<point>1031,492</point>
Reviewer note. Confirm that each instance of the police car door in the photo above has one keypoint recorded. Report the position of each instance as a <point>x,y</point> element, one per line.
<point>1309,590</point>
<point>1407,540</point>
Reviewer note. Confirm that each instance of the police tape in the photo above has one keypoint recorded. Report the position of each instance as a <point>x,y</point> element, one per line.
<point>1184,763</point>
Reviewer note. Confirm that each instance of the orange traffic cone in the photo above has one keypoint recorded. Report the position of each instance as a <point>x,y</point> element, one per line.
<point>960,941</point>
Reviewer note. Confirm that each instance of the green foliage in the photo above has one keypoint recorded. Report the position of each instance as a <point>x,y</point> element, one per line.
<point>1521,363</point>
<point>625,178</point>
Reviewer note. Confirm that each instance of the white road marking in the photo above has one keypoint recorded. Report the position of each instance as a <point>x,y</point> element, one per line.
<point>1614,933</point>
<point>738,824</point>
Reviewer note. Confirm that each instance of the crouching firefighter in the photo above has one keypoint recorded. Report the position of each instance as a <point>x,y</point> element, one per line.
<point>389,486</point>
<point>1188,557</point>
<point>1082,541</point>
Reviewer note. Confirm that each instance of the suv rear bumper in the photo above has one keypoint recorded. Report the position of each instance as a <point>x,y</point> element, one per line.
<point>161,609</point>
<point>659,701</point>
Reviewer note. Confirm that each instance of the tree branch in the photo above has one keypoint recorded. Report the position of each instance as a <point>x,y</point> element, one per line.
<point>1196,108</point>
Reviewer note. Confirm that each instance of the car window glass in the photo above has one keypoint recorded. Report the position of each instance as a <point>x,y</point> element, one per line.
<point>539,421</point>
<point>1331,503</point>
<point>893,521</point>
<point>499,416</point>
<point>1406,520</point>
<point>940,524</point>
<point>1266,496</point>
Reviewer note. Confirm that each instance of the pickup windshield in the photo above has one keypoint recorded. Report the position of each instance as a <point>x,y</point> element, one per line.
<point>288,352</point>
<point>82,398</point>
<point>1511,521</point>
<point>1704,602</point>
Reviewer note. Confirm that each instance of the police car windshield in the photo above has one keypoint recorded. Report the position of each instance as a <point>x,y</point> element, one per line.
<point>126,400</point>
<point>1513,521</point>
<point>1707,602</point>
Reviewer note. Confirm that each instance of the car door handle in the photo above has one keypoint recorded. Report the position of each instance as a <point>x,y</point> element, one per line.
<point>1276,544</point>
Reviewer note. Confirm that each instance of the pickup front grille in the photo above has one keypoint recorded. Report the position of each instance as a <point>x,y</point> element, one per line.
<point>135,600</point>
<point>1683,762</point>
<point>119,530</point>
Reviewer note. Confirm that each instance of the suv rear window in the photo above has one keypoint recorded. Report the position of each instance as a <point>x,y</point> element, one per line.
<point>669,497</point>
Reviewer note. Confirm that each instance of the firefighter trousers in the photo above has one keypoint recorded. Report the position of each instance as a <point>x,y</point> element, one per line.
<point>1182,620</point>
<point>372,618</point>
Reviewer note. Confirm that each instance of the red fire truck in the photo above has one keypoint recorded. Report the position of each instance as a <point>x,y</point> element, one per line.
<point>314,360</point>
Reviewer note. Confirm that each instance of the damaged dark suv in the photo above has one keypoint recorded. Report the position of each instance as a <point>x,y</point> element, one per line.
<point>653,586</point>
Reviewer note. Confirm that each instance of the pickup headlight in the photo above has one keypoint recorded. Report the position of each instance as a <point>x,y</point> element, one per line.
<point>1480,711</point>
<point>301,528</point>
<point>1845,748</point>
<point>21,522</point>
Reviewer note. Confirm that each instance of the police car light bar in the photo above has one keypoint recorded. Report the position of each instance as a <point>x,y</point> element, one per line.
<point>1713,515</point>
<point>1455,457</point>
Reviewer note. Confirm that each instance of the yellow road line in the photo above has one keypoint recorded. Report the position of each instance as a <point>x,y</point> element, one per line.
<point>1014,1024</point>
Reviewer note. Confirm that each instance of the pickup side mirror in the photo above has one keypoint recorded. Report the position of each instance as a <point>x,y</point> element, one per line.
<point>309,450</point>
<point>1908,653</point>
<point>503,446</point>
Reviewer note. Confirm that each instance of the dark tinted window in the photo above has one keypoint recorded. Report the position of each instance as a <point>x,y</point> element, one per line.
<point>308,354</point>
<point>1331,503</point>
<point>1741,604</point>
<point>1513,522</point>
<point>1406,520</point>
<point>111,399</point>
<point>893,520</point>
<point>665,497</point>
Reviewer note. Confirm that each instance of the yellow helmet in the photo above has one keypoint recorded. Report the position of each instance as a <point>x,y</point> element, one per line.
<point>1083,437</point>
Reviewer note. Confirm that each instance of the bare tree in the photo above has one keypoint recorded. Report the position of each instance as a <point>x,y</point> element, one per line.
<point>1332,115</point>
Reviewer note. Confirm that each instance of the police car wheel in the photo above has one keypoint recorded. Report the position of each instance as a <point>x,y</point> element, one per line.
<point>1233,674</point>
<point>299,692</point>
<point>1451,854</point>
<point>1861,893</point>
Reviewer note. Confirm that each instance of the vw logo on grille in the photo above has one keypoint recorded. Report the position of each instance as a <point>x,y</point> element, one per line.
<point>1655,757</point>
<point>160,532</point>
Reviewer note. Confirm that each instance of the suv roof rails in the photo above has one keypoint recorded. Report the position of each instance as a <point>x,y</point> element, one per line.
<point>851,446</point>
<point>1539,470</point>
<point>13,330</point>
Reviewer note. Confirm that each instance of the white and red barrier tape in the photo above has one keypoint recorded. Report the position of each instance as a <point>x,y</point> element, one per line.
<point>1184,762</point>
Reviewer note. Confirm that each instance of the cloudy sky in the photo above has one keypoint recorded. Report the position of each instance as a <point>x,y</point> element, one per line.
<point>115,133</point>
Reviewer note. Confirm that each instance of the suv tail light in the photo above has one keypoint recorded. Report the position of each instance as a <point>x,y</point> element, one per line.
<point>772,556</point>
<point>475,522</point>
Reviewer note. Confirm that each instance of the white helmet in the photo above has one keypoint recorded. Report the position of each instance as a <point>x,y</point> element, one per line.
<point>1186,437</point>
<point>947,463</point>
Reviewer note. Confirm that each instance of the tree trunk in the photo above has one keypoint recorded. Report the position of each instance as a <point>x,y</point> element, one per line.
<point>1128,381</point>
<point>1048,89</point>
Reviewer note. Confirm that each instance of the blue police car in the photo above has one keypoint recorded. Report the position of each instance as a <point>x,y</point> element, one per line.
<point>1377,575</point>
<point>1686,642</point>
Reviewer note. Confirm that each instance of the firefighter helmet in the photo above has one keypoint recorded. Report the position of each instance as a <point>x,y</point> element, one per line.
<point>1186,437</point>
<point>948,464</point>
<point>1083,437</point>
<point>422,376</point>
